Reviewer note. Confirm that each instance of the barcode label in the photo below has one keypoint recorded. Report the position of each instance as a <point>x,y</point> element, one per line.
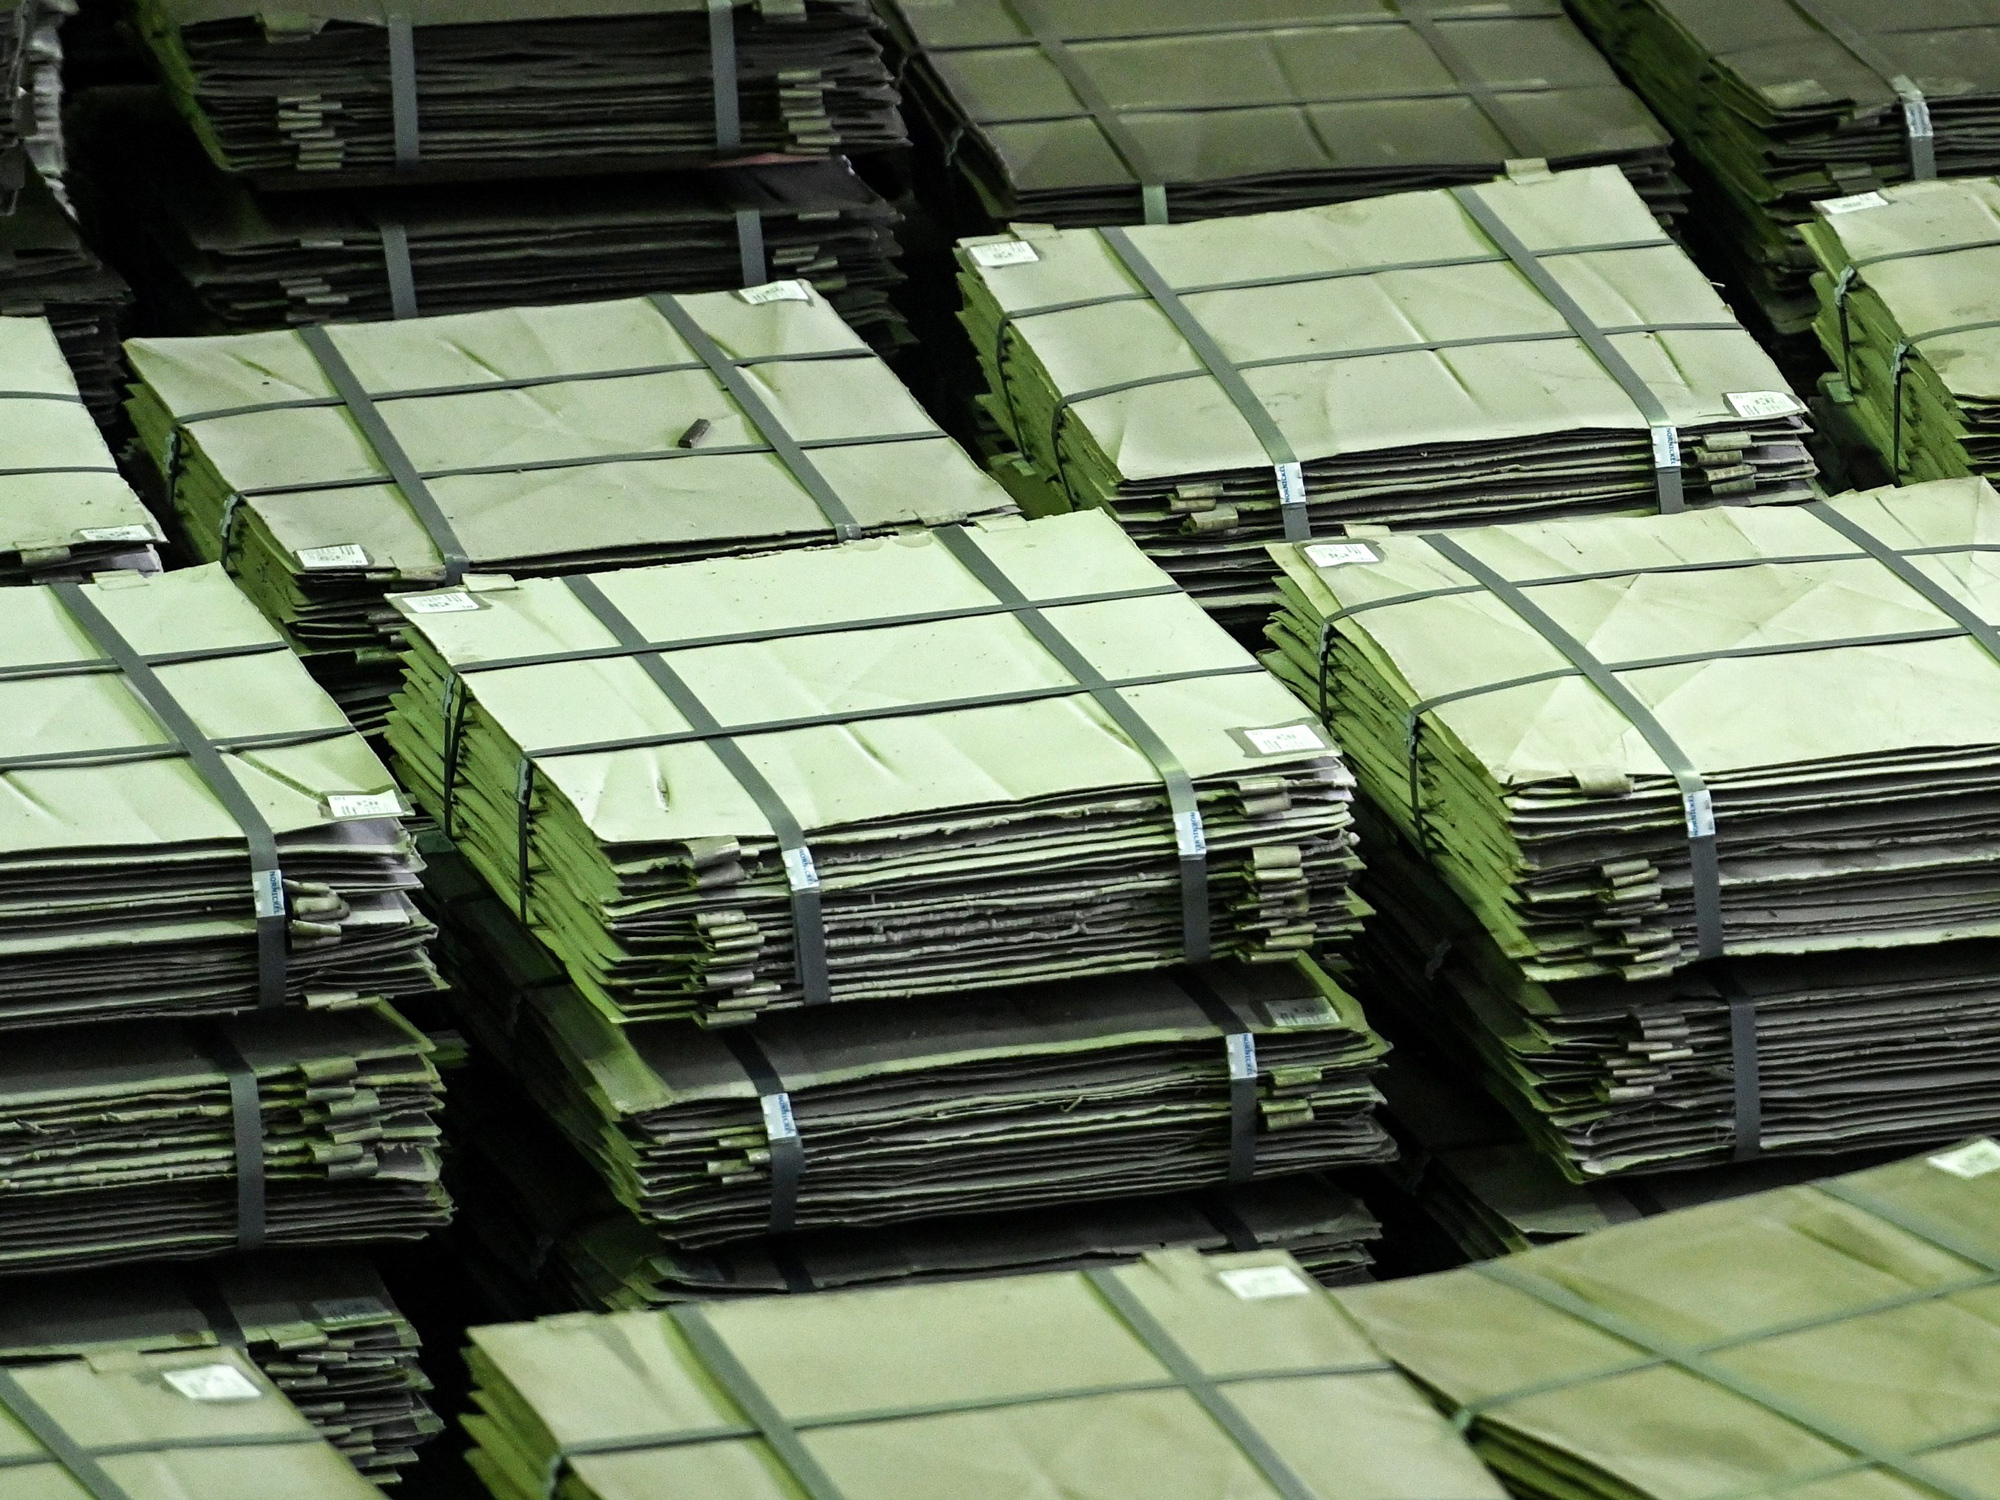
<point>776,291</point>
<point>1853,203</point>
<point>364,805</point>
<point>1974,1159</point>
<point>213,1383</point>
<point>267,892</point>
<point>1295,1015</point>
<point>453,602</point>
<point>1666,448</point>
<point>800,870</point>
<point>1339,554</point>
<point>1700,810</point>
<point>778,1122</point>
<point>1016,253</point>
<point>1242,1055</point>
<point>1256,1283</point>
<point>1189,836</point>
<point>1763,403</point>
<point>346,555</point>
<point>1284,739</point>
<point>118,534</point>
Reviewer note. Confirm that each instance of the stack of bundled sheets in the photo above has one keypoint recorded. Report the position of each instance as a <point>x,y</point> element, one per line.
<point>1529,347</point>
<point>329,467</point>
<point>1227,1375</point>
<point>321,1326</point>
<point>157,1141</point>
<point>519,88</point>
<point>213,256</point>
<point>955,760</point>
<point>1783,103</point>
<point>1081,113</point>
<point>1630,748</point>
<point>48,271</point>
<point>189,826</point>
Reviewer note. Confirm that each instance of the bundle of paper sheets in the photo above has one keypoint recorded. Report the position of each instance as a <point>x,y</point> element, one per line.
<point>1067,111</point>
<point>48,271</point>
<point>1530,347</point>
<point>518,88</point>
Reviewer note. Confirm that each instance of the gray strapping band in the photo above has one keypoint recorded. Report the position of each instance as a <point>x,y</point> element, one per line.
<point>402,472</point>
<point>802,875</point>
<point>1666,437</point>
<point>1697,809</point>
<point>1745,1066</point>
<point>1189,838</point>
<point>396,261</point>
<point>246,1122</point>
<point>267,884</point>
<point>781,1129</point>
<point>41,1424</point>
<point>723,75</point>
<point>1907,572</point>
<point>743,1389</point>
<point>1031,18</point>
<point>1917,128</point>
<point>403,84</point>
<point>1240,1051</point>
<point>1420,20</point>
<point>1164,1347</point>
<point>1284,461</point>
<point>760,416</point>
<point>753,267</point>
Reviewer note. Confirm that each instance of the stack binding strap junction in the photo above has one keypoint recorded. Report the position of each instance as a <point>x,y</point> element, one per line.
<point>1222,385</point>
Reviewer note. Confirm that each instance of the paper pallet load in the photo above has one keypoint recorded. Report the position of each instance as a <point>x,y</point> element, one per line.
<point>1909,316</point>
<point>1837,1339</point>
<point>190,827</point>
<point>1725,1066</point>
<point>1526,348</point>
<point>216,257</point>
<point>155,1140</point>
<point>1780,104</point>
<point>1227,1375</point>
<point>18,20</point>
<point>330,467</point>
<point>48,271</point>
<point>132,1426</point>
<point>1083,114</point>
<point>1628,744</point>
<point>538,1232</point>
<point>65,511</point>
<point>947,761</point>
<point>320,1326</point>
<point>831,1117</point>
<point>519,88</point>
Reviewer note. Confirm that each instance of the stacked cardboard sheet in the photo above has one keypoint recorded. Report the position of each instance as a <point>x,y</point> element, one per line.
<point>331,466</point>
<point>18,19</point>
<point>189,826</point>
<point>1837,1339</point>
<point>1230,1375</point>
<point>952,760</point>
<point>321,1326</point>
<point>1525,348</point>
<point>162,1427</point>
<point>48,271</point>
<point>1780,104</point>
<point>1082,114</point>
<point>519,88</point>
<point>1909,314</point>
<point>213,256</point>
<point>160,1141</point>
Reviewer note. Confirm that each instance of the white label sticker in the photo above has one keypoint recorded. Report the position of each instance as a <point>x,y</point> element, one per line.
<point>1292,1015</point>
<point>800,869</point>
<point>1255,1283</point>
<point>1285,738</point>
<point>1974,1159</point>
<point>1291,485</point>
<point>117,534</point>
<point>213,1383</point>
<point>1242,1055</point>
<point>1699,809</point>
<point>1763,403</point>
<point>267,892</point>
<point>342,1309</point>
<point>778,1122</point>
<point>456,602</point>
<point>1666,448</point>
<point>1189,836</point>
<point>1851,204</point>
<point>346,555</point>
<point>364,805</point>
<point>1018,253</point>
<point>1339,554</point>
<point>776,291</point>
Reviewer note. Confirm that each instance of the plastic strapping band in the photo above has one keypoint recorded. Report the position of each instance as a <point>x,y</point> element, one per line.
<point>1219,1211</point>
<point>403,84</point>
<point>788,1152</point>
<point>1284,462</point>
<point>781,442</point>
<point>1697,808</point>
<point>1240,1051</point>
<point>1917,129</point>
<point>1934,594</point>
<point>1031,18</point>
<point>722,71</point>
<point>1899,359</point>
<point>1666,437</point>
<point>204,1289</point>
<point>246,1123</point>
<point>743,1389</point>
<point>403,473</point>
<point>1745,1067</point>
<point>267,883</point>
<point>41,1424</point>
<point>1224,1412</point>
<point>1417,14</point>
<point>1189,837</point>
<point>808,921</point>
<point>752,266</point>
<point>402,277</point>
